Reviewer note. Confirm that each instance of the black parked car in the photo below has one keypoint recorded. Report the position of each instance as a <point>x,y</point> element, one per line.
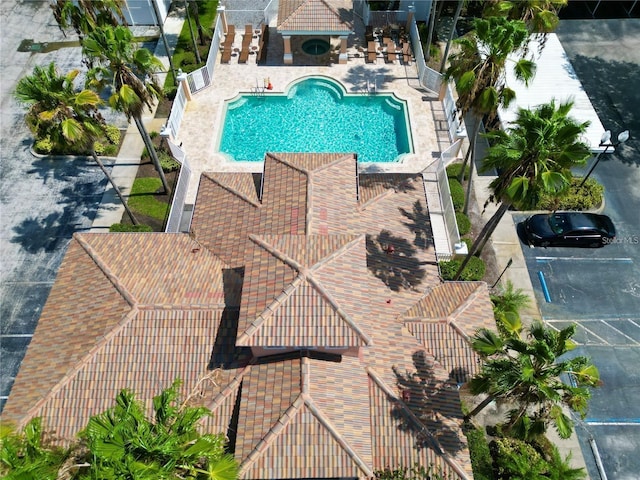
<point>569,229</point>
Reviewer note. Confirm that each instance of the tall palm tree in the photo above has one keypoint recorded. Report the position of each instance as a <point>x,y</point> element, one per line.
<point>534,156</point>
<point>118,64</point>
<point>125,443</point>
<point>85,15</point>
<point>541,16</point>
<point>66,116</point>
<point>525,371</point>
<point>478,69</point>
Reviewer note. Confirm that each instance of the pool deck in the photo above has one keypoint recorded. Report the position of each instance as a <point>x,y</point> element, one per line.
<point>203,117</point>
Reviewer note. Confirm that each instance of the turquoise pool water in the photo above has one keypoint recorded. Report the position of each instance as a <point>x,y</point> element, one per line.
<point>316,116</point>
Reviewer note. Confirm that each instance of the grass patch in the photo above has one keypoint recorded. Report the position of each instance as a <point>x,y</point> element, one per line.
<point>184,56</point>
<point>142,198</point>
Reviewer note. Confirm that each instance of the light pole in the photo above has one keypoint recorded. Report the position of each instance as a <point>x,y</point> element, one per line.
<point>605,141</point>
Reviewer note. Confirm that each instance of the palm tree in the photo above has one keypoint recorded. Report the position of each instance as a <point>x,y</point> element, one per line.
<point>534,156</point>
<point>28,454</point>
<point>526,371</point>
<point>117,63</point>
<point>541,17</point>
<point>85,15</point>
<point>124,443</point>
<point>478,70</point>
<point>67,117</point>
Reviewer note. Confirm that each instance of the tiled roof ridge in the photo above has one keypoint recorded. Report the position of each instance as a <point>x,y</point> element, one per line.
<point>340,311</point>
<point>305,274</point>
<point>467,301</point>
<point>268,310</point>
<point>339,251</point>
<point>464,303</point>
<point>112,277</point>
<point>70,374</point>
<point>233,191</point>
<point>434,442</point>
<point>291,165</point>
<point>364,205</point>
<point>333,431</point>
<point>232,386</point>
<point>271,435</point>
<point>294,12</point>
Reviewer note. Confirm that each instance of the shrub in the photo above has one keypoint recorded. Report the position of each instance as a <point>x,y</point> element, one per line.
<point>99,148</point>
<point>453,171</point>
<point>587,197</point>
<point>167,162</point>
<point>110,150</point>
<point>457,194</point>
<point>479,452</point>
<point>153,134</point>
<point>121,227</point>
<point>43,146</point>
<point>464,224</point>
<point>113,134</point>
<point>517,459</point>
<point>474,270</point>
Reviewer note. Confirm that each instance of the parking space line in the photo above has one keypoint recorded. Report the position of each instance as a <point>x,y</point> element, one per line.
<point>633,340</point>
<point>589,259</point>
<point>595,335</point>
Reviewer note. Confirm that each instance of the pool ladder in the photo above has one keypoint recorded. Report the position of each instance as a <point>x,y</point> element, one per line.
<point>258,91</point>
<point>371,87</point>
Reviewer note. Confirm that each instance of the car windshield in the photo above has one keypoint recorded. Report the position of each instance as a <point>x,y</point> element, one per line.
<point>558,224</point>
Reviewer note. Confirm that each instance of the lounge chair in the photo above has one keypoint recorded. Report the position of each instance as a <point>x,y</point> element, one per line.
<point>406,53</point>
<point>391,55</point>
<point>248,29</point>
<point>372,52</point>
<point>231,31</point>
<point>244,54</point>
<point>226,55</point>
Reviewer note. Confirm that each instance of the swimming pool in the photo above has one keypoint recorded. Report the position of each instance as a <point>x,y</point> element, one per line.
<point>316,115</point>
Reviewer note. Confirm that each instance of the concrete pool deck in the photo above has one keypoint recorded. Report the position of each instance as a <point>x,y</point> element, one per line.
<point>203,118</point>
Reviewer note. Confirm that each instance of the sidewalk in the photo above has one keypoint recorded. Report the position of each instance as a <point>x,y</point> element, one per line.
<point>505,245</point>
<point>125,168</point>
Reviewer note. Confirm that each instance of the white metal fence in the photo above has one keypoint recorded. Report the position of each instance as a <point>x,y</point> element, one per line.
<point>446,202</point>
<point>180,191</point>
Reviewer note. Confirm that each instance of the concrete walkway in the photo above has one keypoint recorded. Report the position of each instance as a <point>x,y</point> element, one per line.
<point>505,246</point>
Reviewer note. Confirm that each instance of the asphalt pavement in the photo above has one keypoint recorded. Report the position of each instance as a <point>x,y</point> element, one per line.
<point>600,288</point>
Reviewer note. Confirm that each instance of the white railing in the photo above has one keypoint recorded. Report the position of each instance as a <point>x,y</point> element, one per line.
<point>177,111</point>
<point>446,203</point>
<point>451,112</point>
<point>429,78</point>
<point>180,191</point>
<point>202,77</point>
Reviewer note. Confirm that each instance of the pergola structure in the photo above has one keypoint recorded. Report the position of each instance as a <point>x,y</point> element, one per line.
<point>315,18</point>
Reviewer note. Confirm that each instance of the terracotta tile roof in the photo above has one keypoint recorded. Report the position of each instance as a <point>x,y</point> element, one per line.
<point>98,311</point>
<point>445,318</point>
<point>315,16</point>
<point>301,310</point>
<point>310,261</point>
<point>224,216</point>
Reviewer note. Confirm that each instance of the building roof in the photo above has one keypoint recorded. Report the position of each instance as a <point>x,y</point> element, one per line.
<point>334,356</point>
<point>555,79</point>
<point>315,16</point>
